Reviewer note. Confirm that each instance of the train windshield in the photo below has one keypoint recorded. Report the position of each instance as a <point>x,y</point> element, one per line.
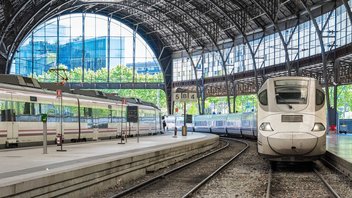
<point>291,91</point>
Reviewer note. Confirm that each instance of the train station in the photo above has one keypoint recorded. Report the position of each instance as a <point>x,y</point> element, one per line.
<point>175,98</point>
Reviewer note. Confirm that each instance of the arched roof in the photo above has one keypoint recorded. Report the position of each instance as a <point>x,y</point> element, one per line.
<point>168,26</point>
<point>173,25</point>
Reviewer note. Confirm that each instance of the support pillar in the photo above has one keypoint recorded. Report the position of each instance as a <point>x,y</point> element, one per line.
<point>202,87</point>
<point>323,57</point>
<point>335,104</point>
<point>134,54</point>
<point>57,48</point>
<point>83,45</point>
<point>109,47</point>
<point>234,97</point>
<point>184,127</point>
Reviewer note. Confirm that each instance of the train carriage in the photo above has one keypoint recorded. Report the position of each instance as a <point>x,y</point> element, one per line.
<point>202,123</point>
<point>248,124</point>
<point>234,124</point>
<point>79,115</point>
<point>219,123</point>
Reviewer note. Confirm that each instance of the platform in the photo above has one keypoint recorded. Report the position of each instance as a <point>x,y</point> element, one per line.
<point>339,151</point>
<point>28,172</point>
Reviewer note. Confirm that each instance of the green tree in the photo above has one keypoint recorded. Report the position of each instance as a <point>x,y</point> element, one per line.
<point>119,73</point>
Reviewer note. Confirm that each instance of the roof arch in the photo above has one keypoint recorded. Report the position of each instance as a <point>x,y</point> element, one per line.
<point>19,13</point>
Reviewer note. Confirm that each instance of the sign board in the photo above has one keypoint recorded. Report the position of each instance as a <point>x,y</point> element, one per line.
<point>177,96</point>
<point>33,99</point>
<point>132,113</point>
<point>44,117</point>
<point>192,96</point>
<point>59,93</point>
<point>189,119</point>
<point>182,97</point>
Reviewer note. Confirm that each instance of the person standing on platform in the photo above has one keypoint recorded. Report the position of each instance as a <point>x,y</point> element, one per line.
<point>164,124</point>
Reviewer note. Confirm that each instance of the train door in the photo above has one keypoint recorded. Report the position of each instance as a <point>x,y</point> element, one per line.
<point>159,123</point>
<point>119,119</point>
<point>156,120</point>
<point>8,118</point>
<point>114,124</point>
<point>95,119</point>
<point>87,121</point>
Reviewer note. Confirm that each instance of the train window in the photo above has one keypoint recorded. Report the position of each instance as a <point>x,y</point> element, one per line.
<point>319,97</point>
<point>263,97</point>
<point>291,95</point>
<point>291,83</point>
<point>291,91</point>
<point>29,109</point>
<point>88,112</point>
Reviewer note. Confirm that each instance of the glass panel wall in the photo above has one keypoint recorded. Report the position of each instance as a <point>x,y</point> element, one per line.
<point>304,42</point>
<point>87,45</point>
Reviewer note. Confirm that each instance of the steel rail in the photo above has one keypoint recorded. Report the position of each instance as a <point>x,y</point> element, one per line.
<point>324,161</point>
<point>192,191</point>
<point>161,176</point>
<point>268,189</point>
<point>326,184</point>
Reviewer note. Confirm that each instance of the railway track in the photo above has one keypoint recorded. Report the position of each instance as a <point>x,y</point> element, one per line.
<point>183,181</point>
<point>298,180</point>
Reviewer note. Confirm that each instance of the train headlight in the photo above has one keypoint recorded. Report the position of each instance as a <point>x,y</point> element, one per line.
<point>318,127</point>
<point>265,126</point>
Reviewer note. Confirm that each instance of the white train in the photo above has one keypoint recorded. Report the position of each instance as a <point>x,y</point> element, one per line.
<point>291,119</point>
<point>290,124</point>
<point>238,124</point>
<point>85,114</point>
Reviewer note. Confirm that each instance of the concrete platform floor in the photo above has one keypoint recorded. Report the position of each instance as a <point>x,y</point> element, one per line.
<point>340,145</point>
<point>21,163</point>
<point>31,162</point>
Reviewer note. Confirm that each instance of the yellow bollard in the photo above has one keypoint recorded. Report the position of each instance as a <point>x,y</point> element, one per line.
<point>184,130</point>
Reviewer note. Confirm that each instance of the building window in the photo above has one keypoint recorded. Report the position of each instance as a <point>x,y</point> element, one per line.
<point>88,42</point>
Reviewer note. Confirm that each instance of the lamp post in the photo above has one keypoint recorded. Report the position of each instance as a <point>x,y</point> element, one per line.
<point>63,79</point>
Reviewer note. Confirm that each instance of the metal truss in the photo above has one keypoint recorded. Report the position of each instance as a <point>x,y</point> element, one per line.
<point>170,26</point>
<point>324,55</point>
<point>272,9</point>
<point>309,66</point>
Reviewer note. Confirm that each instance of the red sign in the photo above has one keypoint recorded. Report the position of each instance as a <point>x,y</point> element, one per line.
<point>59,93</point>
<point>124,101</point>
<point>176,110</point>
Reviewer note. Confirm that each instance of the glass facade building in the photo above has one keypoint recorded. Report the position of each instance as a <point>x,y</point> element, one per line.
<point>145,67</point>
<point>86,42</point>
<point>43,58</point>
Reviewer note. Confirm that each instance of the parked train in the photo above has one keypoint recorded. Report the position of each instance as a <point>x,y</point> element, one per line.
<point>236,125</point>
<point>345,126</point>
<point>80,115</point>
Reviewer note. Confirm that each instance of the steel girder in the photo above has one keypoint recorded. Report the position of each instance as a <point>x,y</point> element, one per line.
<point>323,52</point>
<point>309,66</point>
<point>195,24</point>
<point>272,9</point>
<point>256,21</point>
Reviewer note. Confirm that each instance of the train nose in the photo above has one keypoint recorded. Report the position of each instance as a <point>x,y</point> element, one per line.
<point>292,143</point>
